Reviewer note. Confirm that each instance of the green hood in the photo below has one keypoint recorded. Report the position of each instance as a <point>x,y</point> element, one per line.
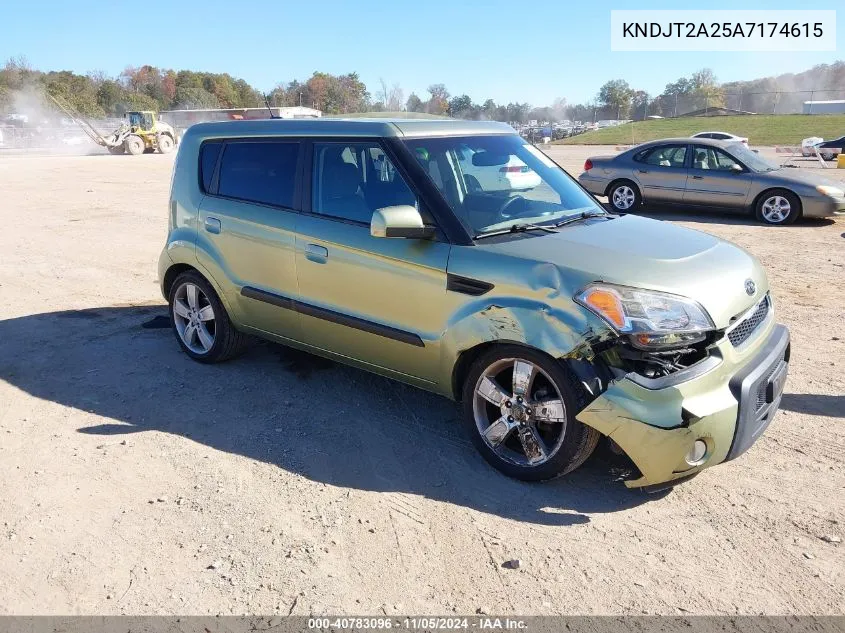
<point>643,253</point>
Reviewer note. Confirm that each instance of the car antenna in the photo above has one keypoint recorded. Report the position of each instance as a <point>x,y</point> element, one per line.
<point>269,109</point>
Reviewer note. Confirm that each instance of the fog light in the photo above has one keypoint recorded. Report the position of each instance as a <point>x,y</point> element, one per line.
<point>696,453</point>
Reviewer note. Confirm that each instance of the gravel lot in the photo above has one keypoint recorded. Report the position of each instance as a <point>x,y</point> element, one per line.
<point>136,481</point>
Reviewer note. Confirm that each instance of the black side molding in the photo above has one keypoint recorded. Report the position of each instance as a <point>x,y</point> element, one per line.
<point>334,317</point>
<point>467,285</point>
<point>268,297</point>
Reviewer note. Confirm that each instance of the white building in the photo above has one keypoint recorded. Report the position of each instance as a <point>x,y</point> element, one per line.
<point>825,107</point>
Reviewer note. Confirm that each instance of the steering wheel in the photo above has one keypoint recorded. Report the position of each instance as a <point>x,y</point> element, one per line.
<point>505,210</point>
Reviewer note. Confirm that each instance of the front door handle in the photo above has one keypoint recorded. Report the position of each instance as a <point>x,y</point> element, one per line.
<point>698,177</point>
<point>212,225</point>
<point>316,253</point>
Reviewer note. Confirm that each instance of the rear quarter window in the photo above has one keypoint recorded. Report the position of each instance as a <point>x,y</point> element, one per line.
<point>209,153</point>
<point>262,172</point>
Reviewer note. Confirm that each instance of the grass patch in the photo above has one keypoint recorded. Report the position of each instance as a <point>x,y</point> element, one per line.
<point>761,129</point>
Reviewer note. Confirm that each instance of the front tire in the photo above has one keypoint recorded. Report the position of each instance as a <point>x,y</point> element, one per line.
<point>624,197</point>
<point>134,145</point>
<point>519,408</point>
<point>200,322</point>
<point>777,207</point>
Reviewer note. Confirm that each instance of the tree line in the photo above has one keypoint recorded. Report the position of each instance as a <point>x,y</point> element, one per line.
<point>150,88</point>
<point>785,93</point>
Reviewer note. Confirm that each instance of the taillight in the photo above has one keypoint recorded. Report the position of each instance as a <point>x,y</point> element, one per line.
<point>588,165</point>
<point>514,170</point>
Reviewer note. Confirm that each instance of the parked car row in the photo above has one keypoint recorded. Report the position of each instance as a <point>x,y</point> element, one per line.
<point>709,173</point>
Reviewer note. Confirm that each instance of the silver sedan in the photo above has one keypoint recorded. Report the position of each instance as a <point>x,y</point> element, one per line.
<point>712,174</point>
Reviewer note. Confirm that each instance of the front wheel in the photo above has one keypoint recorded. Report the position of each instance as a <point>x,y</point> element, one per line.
<point>624,197</point>
<point>134,145</point>
<point>519,409</point>
<point>778,207</point>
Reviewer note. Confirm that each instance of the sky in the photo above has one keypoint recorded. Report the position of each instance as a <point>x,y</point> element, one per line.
<point>534,51</point>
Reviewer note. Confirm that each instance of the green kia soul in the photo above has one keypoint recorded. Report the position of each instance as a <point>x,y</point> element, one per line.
<point>458,258</point>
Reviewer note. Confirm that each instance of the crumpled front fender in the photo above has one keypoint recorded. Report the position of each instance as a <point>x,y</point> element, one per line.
<point>558,331</point>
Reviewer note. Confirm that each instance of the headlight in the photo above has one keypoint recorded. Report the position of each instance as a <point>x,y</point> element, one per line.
<point>833,192</point>
<point>651,319</point>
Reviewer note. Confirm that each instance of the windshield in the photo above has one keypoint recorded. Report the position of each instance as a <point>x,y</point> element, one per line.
<point>752,160</point>
<point>496,182</point>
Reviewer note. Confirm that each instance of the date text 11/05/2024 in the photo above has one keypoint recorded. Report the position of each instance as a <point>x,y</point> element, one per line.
<point>422,623</point>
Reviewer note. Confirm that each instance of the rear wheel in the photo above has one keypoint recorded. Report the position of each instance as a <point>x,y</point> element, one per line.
<point>200,322</point>
<point>134,144</point>
<point>165,143</point>
<point>778,207</point>
<point>519,409</point>
<point>624,196</point>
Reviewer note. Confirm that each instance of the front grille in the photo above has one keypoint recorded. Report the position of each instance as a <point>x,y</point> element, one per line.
<point>744,329</point>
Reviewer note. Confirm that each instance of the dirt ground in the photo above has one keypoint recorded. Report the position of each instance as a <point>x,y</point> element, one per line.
<point>137,481</point>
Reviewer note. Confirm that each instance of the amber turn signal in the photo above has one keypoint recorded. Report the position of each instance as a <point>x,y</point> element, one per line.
<point>607,304</point>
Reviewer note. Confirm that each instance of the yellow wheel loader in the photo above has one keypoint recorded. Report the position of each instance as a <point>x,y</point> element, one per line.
<point>142,132</point>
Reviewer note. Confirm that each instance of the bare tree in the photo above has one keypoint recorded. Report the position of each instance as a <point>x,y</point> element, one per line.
<point>392,98</point>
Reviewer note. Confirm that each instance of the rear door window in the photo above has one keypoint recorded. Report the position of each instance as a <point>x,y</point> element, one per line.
<point>259,171</point>
<point>665,156</point>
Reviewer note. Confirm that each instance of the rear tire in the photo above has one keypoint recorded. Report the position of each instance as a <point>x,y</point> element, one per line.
<point>200,322</point>
<point>624,196</point>
<point>777,207</point>
<point>134,144</point>
<point>165,143</point>
<point>530,433</point>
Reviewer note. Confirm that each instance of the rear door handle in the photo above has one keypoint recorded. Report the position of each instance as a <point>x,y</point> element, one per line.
<point>698,177</point>
<point>643,171</point>
<point>316,253</point>
<point>212,225</point>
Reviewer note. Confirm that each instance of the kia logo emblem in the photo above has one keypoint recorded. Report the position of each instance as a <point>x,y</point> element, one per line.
<point>750,287</point>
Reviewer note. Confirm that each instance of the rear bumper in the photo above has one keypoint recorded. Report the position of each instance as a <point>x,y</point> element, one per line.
<point>595,185</point>
<point>727,404</point>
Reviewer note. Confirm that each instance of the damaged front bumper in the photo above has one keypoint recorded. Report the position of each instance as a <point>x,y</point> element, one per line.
<point>726,401</point>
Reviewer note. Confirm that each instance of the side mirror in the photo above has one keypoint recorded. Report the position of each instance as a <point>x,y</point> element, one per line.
<point>400,221</point>
<point>737,169</point>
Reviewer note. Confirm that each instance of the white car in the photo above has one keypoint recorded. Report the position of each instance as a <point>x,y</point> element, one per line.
<point>512,176</point>
<point>808,145</point>
<point>722,136</point>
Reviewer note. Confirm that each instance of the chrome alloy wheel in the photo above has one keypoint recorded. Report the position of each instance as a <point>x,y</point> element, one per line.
<point>623,197</point>
<point>193,315</point>
<point>776,209</point>
<point>519,412</point>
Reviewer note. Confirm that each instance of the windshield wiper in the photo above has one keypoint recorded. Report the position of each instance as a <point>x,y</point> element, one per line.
<point>582,216</point>
<point>516,228</point>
